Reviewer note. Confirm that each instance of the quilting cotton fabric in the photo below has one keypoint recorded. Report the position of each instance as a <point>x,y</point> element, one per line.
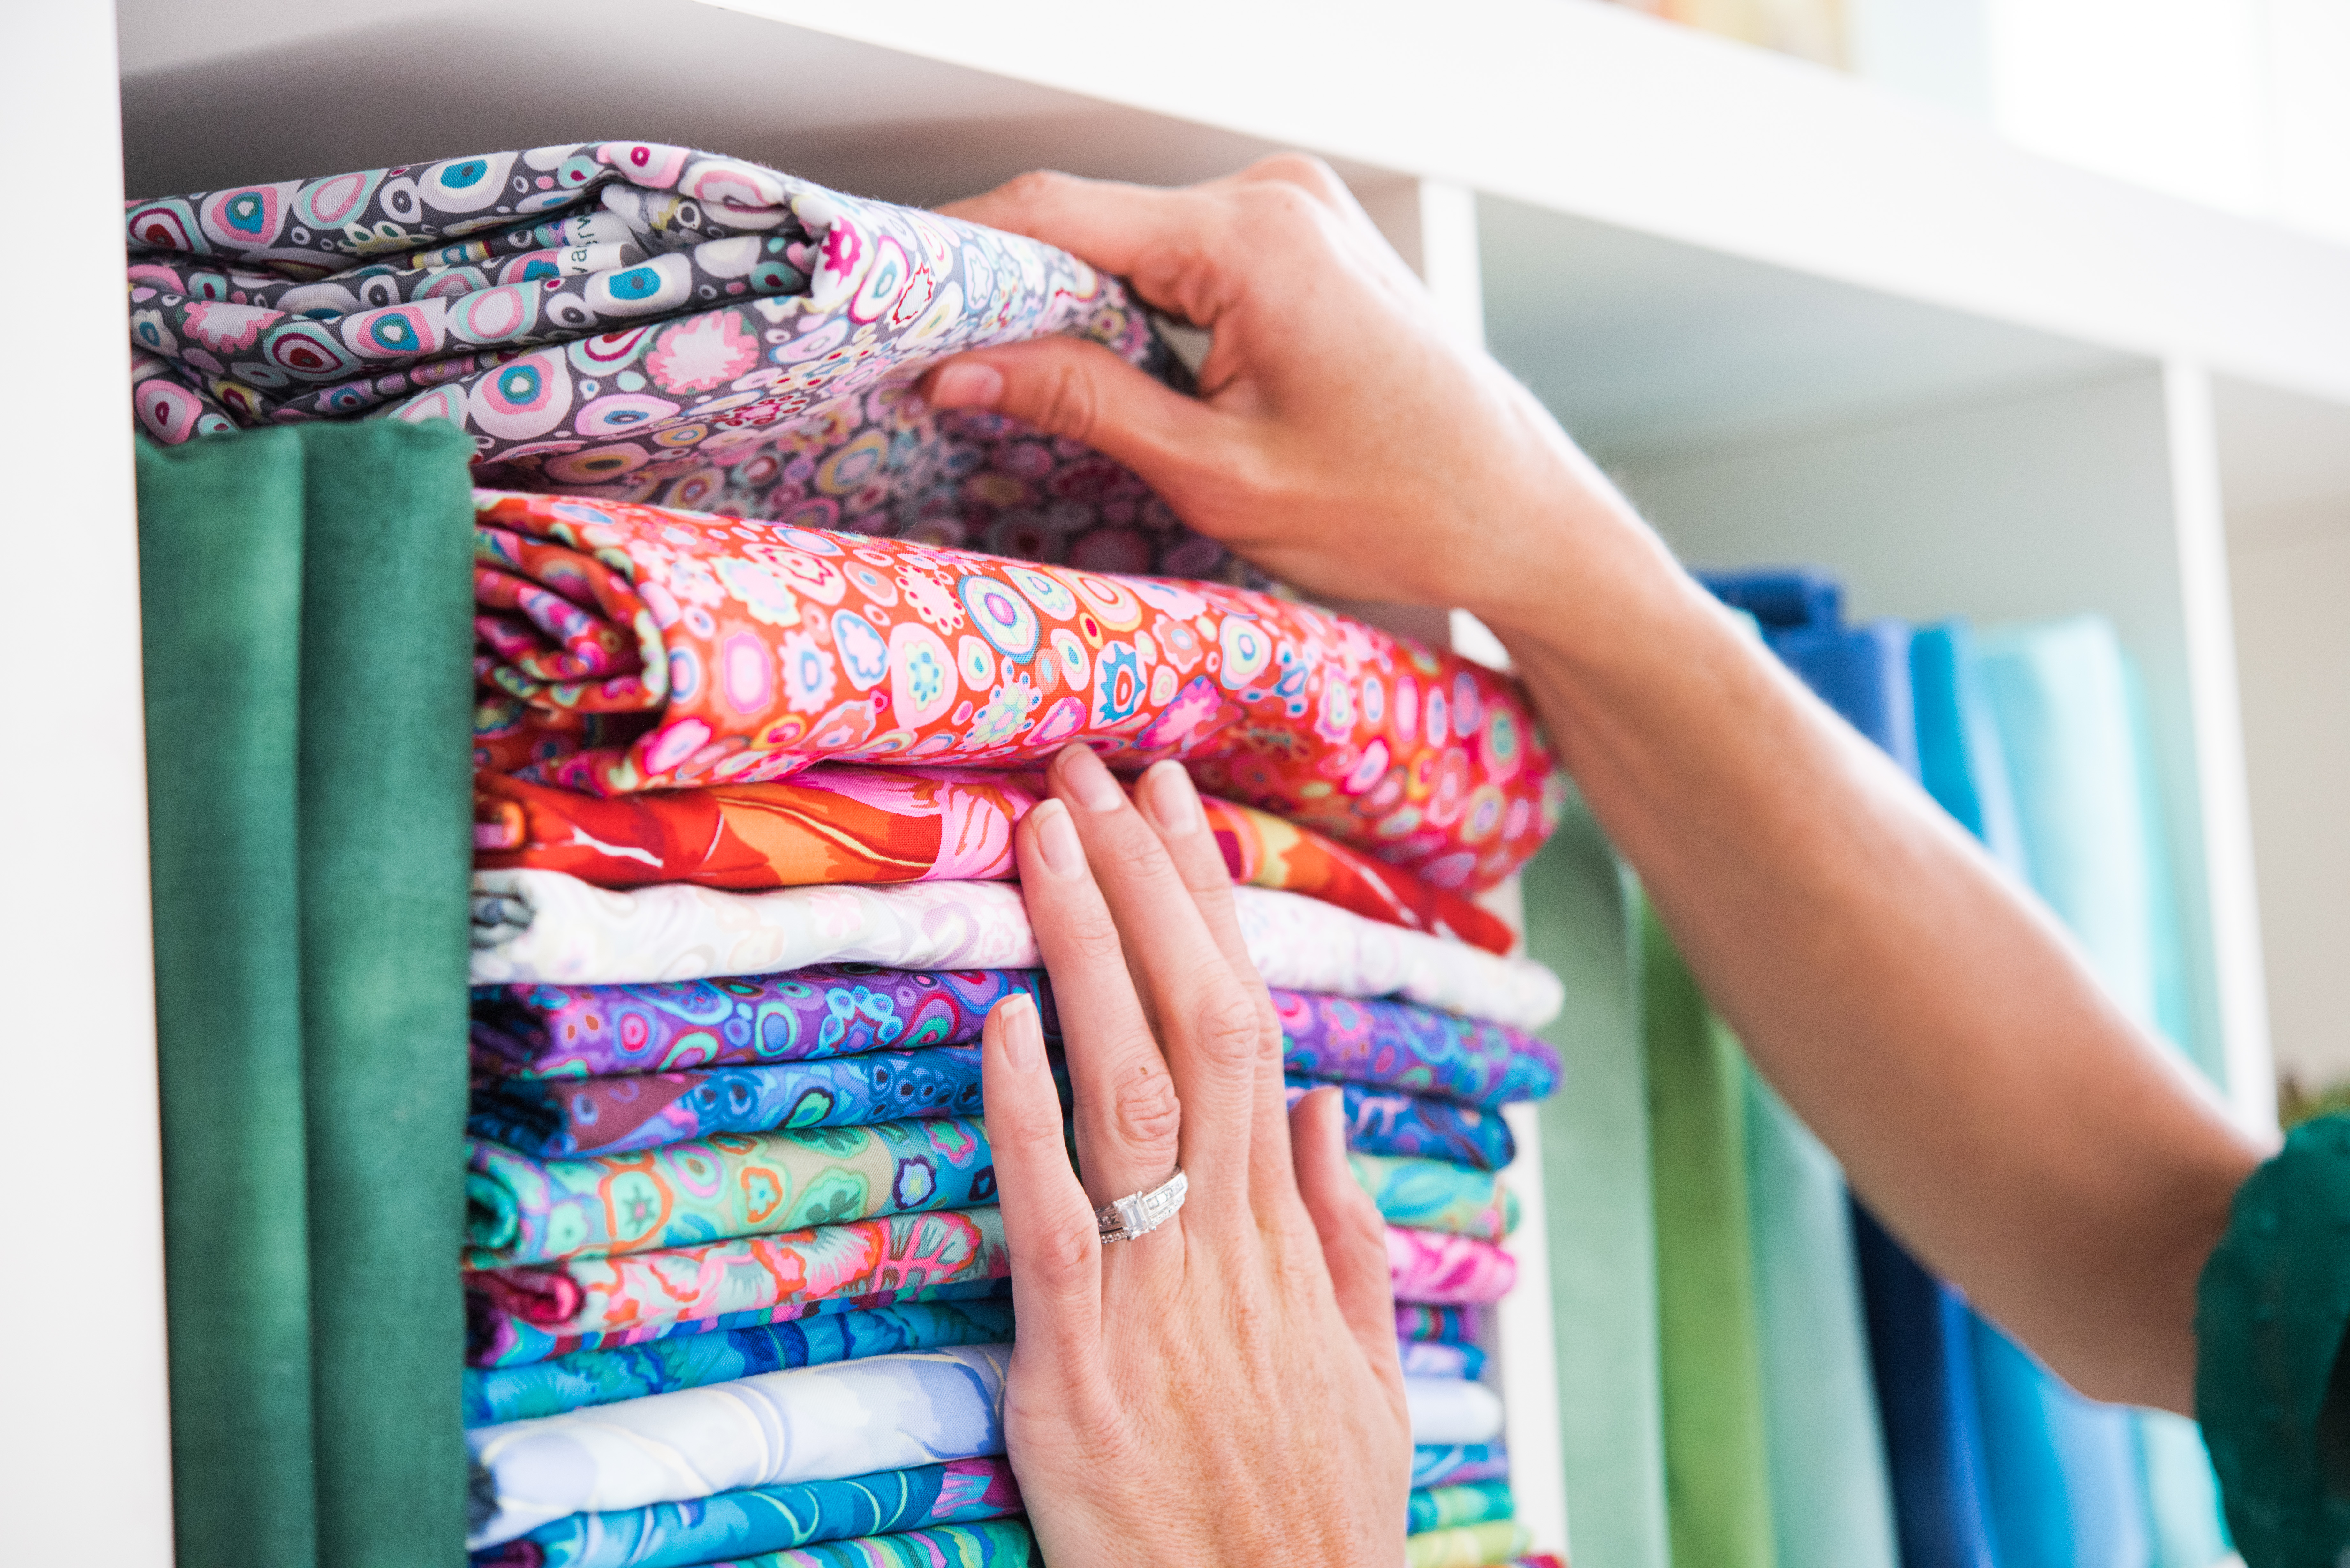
<point>548,928</point>
<point>520,1209</point>
<point>542,1031</point>
<point>1469,1502</point>
<point>590,1377</point>
<point>497,1338</point>
<point>1468,1546</point>
<point>554,1120</point>
<point>1422,1050</point>
<point>1431,1195</point>
<point>638,1295</point>
<point>743,652</point>
<point>1434,1358</point>
<point>757,1520</point>
<point>1440,1270</point>
<point>1452,1411</point>
<point>1449,1467</point>
<point>809,1423</point>
<point>1389,1122</point>
<point>653,324</point>
<point>998,1543</point>
<point>843,821</point>
<point>1439,1324</point>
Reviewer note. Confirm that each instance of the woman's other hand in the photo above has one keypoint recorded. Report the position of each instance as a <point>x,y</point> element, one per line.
<point>1223,1390</point>
<point>1343,439</point>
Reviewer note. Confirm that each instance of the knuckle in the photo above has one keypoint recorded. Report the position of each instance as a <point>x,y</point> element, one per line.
<point>1093,941</point>
<point>1036,187</point>
<point>1227,1025</point>
<point>1145,1108</point>
<point>1061,1251</point>
<point>1067,401</point>
<point>1306,171</point>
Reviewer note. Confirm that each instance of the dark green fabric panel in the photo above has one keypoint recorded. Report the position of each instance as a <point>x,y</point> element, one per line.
<point>1717,1466</point>
<point>2271,1385</point>
<point>220,564</point>
<point>1595,1197</point>
<point>387,685</point>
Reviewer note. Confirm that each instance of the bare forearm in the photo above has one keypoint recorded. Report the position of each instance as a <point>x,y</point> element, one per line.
<point>1934,1028</point>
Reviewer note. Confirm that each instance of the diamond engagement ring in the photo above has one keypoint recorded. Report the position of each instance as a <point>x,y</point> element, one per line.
<point>1142,1212</point>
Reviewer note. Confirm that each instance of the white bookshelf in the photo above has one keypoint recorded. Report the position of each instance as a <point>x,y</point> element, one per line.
<point>1803,319</point>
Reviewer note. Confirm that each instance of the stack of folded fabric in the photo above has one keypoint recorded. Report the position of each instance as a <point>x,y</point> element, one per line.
<point>727,1110</point>
<point>735,1278</point>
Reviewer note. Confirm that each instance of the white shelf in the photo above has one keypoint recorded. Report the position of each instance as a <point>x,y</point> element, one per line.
<point>1802,318</point>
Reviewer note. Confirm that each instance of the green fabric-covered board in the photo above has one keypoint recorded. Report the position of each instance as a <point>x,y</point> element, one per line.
<point>1717,1469</point>
<point>309,609</point>
<point>1595,1176</point>
<point>220,562</point>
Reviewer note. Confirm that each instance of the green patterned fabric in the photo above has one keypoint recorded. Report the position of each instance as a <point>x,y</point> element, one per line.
<point>1717,1466</point>
<point>1581,920</point>
<point>309,623</point>
<point>2270,1387</point>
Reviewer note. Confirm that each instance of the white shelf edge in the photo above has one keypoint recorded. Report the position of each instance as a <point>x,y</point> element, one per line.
<point>1595,110</point>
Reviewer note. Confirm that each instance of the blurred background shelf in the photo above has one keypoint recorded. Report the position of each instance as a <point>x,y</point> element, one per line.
<point>1802,317</point>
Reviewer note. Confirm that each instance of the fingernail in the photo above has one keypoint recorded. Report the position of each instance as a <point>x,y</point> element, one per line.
<point>1023,1037</point>
<point>1090,781</point>
<point>1167,793</point>
<point>1056,835</point>
<point>966,384</point>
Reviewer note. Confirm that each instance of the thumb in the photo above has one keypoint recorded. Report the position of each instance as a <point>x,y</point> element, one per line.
<point>1074,388</point>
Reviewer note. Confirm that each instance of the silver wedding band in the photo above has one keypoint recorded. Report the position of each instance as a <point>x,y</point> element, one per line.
<point>1140,1213</point>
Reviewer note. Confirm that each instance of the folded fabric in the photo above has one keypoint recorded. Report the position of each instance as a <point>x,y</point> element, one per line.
<point>1415,1125</point>
<point>520,1209</point>
<point>833,1010</point>
<point>844,822</point>
<point>499,1339</point>
<point>812,1423</point>
<point>1433,1267</point>
<point>998,1543</point>
<point>1468,1546</point>
<point>589,1378</point>
<point>548,928</point>
<point>744,651</point>
<point>1435,1359</point>
<point>1394,1045</point>
<point>1453,1466</point>
<point>545,927</point>
<point>615,1114</point>
<point>1450,1411</point>
<point>1439,1324</point>
<point>640,1294</point>
<point>651,323</point>
<point>767,1519</point>
<point>1467,1502</point>
<point>1431,1195</point>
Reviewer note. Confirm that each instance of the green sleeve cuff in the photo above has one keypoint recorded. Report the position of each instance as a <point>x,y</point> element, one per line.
<point>2270,1314</point>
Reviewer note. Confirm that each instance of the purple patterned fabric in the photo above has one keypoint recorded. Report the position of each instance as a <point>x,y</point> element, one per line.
<point>651,324</point>
<point>1446,1324</point>
<point>1403,1045</point>
<point>835,1010</point>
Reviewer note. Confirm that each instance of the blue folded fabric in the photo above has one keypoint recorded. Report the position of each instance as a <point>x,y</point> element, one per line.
<point>1466,1462</point>
<point>586,1377</point>
<point>1779,599</point>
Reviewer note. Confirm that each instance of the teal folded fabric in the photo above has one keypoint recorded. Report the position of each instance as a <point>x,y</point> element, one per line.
<point>2070,724</point>
<point>311,608</point>
<point>1437,1195</point>
<point>220,559</point>
<point>1831,1502</point>
<point>1582,921</point>
<point>1717,1465</point>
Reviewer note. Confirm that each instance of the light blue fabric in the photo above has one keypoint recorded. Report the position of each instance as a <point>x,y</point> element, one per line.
<point>2071,724</point>
<point>815,1423</point>
<point>1831,1502</point>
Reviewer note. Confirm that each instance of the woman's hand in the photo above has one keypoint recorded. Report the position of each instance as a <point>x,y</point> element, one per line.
<point>1343,439</point>
<point>1223,1390</point>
